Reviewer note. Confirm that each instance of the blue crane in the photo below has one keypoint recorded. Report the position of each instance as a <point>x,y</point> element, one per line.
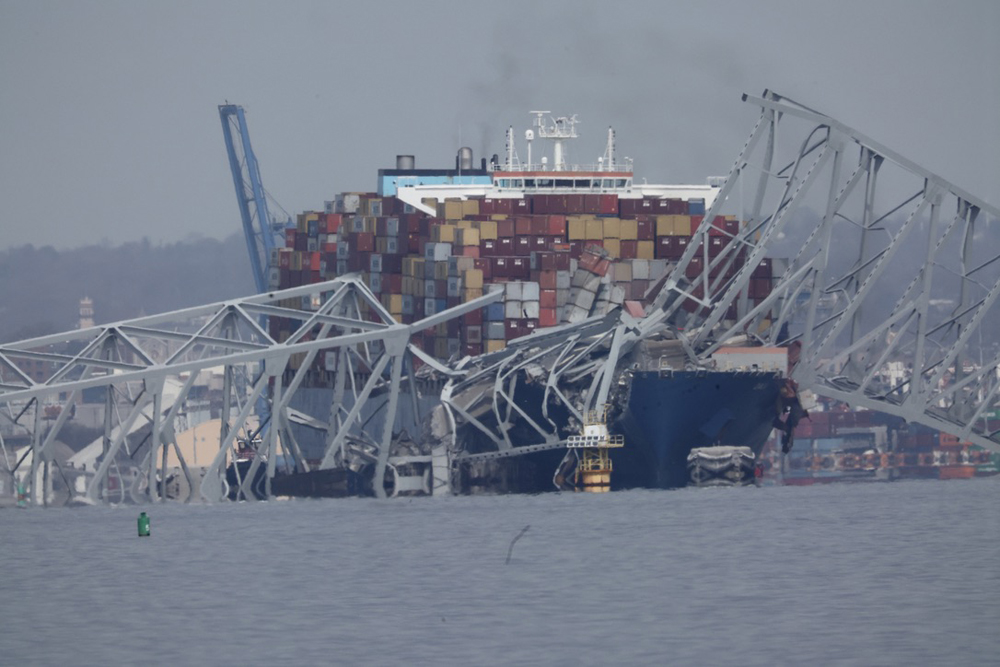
<point>263,234</point>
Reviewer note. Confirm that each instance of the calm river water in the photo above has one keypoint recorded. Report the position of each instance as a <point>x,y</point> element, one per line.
<point>868,574</point>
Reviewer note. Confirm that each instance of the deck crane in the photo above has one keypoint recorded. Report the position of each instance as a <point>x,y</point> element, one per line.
<point>263,233</point>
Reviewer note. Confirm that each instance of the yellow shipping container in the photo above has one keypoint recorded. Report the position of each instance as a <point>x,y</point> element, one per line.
<point>644,250</point>
<point>470,293</point>
<point>488,230</point>
<point>498,216</point>
<point>473,279</point>
<point>614,247</point>
<point>628,230</point>
<point>443,233</point>
<point>467,237</point>
<point>470,207</point>
<point>450,209</point>
<point>464,264</point>
<point>395,303</point>
<point>595,230</point>
<point>495,345</point>
<point>576,229</point>
<point>612,228</point>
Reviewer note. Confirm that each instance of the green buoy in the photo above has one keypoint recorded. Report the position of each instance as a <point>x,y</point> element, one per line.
<point>143,525</point>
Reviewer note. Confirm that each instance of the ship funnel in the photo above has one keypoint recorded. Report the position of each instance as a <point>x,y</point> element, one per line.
<point>464,158</point>
<point>405,162</point>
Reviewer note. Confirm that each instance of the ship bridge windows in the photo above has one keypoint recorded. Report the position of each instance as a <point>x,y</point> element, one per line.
<point>564,182</point>
<point>581,183</point>
<point>544,182</point>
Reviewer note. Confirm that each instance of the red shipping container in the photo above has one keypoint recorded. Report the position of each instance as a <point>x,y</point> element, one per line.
<point>694,267</point>
<point>696,222</point>
<point>628,249</point>
<point>473,318</point>
<point>539,225</point>
<point>522,226</point>
<point>547,280</point>
<point>540,244</point>
<point>556,226</point>
<point>488,248</point>
<point>522,246</point>
<point>732,227</point>
<point>333,222</point>
<point>562,260</point>
<point>505,228</point>
<point>392,281</point>
<point>576,249</point>
<point>574,204</point>
<point>468,251</point>
<point>520,268</point>
<point>511,329</point>
<point>547,317</point>
<point>505,247</point>
<point>609,204</point>
<point>592,204</point>
<point>547,261</point>
<point>646,228</point>
<point>486,266</point>
<point>665,248</point>
<point>500,267</point>
<point>547,298</point>
<point>520,206</point>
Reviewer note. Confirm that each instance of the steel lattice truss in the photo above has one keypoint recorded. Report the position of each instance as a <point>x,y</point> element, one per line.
<point>897,270</point>
<point>139,363</point>
<point>890,242</point>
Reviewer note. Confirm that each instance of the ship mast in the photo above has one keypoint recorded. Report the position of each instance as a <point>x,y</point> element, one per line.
<point>562,128</point>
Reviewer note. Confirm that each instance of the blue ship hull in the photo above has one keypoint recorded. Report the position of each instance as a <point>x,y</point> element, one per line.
<point>667,413</point>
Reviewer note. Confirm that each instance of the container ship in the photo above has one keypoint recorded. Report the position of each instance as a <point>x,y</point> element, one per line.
<point>566,242</point>
<point>836,444</point>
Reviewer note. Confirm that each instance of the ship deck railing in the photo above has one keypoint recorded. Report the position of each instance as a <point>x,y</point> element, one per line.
<point>588,441</point>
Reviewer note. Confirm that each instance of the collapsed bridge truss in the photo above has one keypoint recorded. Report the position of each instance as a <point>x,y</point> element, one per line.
<point>886,274</point>
<point>148,365</point>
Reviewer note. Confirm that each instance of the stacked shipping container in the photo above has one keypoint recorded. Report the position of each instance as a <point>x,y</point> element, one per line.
<point>559,258</point>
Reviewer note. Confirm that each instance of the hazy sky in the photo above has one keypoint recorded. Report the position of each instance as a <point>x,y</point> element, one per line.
<point>109,128</point>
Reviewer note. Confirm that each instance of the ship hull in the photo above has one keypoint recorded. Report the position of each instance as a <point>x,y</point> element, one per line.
<point>669,413</point>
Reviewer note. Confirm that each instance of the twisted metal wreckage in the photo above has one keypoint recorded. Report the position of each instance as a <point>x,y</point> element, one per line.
<point>912,360</point>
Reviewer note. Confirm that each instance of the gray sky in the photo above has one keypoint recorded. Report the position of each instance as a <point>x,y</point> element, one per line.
<point>109,128</point>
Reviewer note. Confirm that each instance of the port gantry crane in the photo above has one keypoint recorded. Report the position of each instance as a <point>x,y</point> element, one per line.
<point>263,233</point>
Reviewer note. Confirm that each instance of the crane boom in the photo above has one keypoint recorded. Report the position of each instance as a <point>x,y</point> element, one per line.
<point>258,226</point>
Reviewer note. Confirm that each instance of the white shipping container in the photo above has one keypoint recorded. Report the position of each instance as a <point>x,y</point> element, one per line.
<point>454,287</point>
<point>530,310</point>
<point>562,279</point>
<point>657,268</point>
<point>530,292</point>
<point>640,269</point>
<point>585,299</point>
<point>407,304</point>
<point>430,290</point>
<point>576,314</point>
<point>515,291</point>
<point>512,310</point>
<point>617,295</point>
<point>430,307</point>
